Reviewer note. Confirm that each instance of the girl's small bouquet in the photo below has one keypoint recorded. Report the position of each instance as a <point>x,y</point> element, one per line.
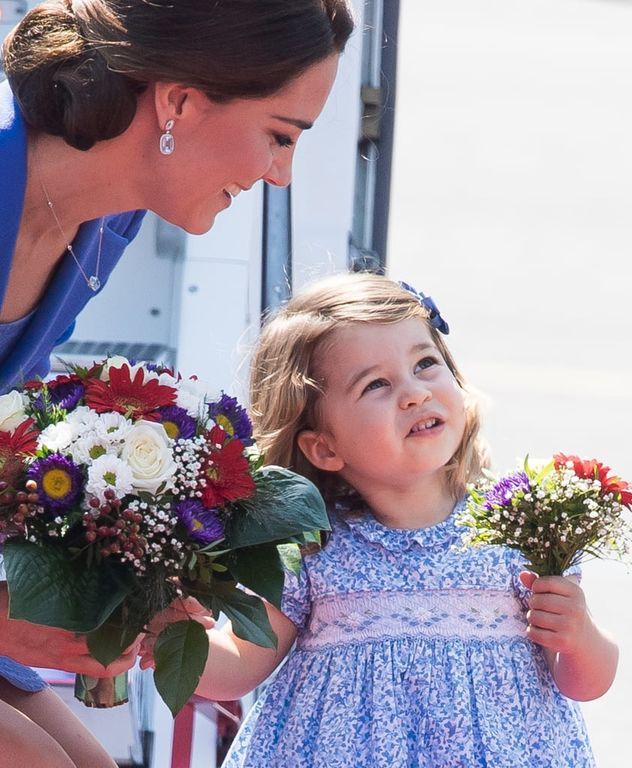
<point>556,514</point>
<point>123,487</point>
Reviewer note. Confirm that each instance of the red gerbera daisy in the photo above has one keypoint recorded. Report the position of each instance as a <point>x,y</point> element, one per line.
<point>591,469</point>
<point>226,470</point>
<point>14,446</point>
<point>134,398</point>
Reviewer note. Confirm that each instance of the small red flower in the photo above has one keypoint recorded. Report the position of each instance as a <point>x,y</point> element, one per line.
<point>226,470</point>
<point>134,398</point>
<point>591,469</point>
<point>14,446</point>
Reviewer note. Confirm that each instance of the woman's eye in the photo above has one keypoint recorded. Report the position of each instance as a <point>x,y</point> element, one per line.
<point>375,384</point>
<point>425,362</point>
<point>283,140</point>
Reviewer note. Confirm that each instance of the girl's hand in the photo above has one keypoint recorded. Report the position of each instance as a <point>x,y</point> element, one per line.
<point>581,656</point>
<point>181,609</point>
<point>558,616</point>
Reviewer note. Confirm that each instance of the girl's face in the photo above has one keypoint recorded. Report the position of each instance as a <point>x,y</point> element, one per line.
<point>223,149</point>
<point>392,415</point>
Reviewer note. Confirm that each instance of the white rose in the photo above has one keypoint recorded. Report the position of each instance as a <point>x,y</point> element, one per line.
<point>11,411</point>
<point>147,452</point>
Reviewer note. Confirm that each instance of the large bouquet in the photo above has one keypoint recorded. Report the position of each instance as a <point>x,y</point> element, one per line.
<point>556,514</point>
<point>122,487</point>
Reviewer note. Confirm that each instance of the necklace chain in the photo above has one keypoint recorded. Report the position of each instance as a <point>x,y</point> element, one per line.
<point>92,281</point>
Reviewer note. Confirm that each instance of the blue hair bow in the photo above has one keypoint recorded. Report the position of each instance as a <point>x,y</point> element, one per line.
<point>434,317</point>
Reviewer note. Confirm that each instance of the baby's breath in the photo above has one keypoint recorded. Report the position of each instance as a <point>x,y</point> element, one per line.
<point>557,515</point>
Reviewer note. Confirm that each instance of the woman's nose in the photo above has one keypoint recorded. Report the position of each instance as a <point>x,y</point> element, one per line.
<point>280,172</point>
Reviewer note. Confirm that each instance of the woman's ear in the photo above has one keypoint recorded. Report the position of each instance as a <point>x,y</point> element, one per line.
<point>319,450</point>
<point>174,101</point>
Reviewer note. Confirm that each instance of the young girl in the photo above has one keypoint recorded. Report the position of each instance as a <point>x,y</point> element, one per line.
<point>410,650</point>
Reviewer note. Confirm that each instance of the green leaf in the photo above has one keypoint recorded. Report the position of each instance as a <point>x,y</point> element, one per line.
<point>180,654</point>
<point>46,587</point>
<point>285,504</point>
<point>109,641</point>
<point>246,612</point>
<point>290,555</point>
<point>259,569</point>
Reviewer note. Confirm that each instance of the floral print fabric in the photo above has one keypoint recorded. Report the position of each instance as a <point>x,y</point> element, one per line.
<point>411,653</point>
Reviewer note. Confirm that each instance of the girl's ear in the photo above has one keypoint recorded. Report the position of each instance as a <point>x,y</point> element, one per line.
<point>319,451</point>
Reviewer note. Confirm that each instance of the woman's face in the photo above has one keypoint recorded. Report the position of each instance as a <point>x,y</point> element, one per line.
<point>223,149</point>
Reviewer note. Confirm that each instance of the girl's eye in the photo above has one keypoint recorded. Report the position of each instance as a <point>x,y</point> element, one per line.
<point>425,362</point>
<point>375,384</point>
<point>283,140</point>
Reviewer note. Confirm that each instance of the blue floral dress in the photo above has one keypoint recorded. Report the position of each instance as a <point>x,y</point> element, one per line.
<point>411,653</point>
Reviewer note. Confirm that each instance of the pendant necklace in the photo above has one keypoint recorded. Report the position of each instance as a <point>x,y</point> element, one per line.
<point>92,281</point>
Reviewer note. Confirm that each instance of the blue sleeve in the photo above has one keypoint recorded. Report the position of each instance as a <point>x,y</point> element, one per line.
<point>296,600</point>
<point>66,334</point>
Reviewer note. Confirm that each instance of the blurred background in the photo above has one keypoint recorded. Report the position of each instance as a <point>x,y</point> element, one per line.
<point>511,204</point>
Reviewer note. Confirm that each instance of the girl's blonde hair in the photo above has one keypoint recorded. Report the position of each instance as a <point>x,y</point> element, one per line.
<point>285,389</point>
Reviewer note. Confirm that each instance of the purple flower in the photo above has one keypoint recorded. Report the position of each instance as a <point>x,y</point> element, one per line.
<point>232,418</point>
<point>59,482</point>
<point>506,489</point>
<point>177,422</point>
<point>203,525</point>
<point>65,392</point>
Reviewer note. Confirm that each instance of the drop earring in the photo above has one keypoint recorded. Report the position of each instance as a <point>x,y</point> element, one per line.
<point>167,142</point>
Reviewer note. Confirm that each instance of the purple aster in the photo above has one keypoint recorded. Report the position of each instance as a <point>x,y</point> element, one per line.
<point>59,482</point>
<point>203,525</point>
<point>232,418</point>
<point>65,392</point>
<point>177,422</point>
<point>506,489</point>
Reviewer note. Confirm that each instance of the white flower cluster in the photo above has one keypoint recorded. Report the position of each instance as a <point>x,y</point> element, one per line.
<point>120,455</point>
<point>162,546</point>
<point>188,458</point>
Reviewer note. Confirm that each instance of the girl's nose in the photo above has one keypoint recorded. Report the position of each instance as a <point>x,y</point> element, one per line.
<point>414,394</point>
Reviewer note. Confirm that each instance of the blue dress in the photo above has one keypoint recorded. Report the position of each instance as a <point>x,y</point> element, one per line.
<point>26,344</point>
<point>411,653</point>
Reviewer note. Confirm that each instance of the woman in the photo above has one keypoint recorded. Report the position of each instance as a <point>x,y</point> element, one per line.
<point>121,106</point>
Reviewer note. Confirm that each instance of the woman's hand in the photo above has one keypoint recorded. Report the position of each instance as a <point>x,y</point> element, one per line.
<point>39,646</point>
<point>180,609</point>
<point>582,657</point>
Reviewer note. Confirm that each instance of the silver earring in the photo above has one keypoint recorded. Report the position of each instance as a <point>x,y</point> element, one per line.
<point>167,142</point>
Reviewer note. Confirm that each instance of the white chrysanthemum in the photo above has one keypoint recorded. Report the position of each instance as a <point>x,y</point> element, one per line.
<point>88,449</point>
<point>167,380</point>
<point>113,426</point>
<point>56,437</point>
<point>12,412</point>
<point>82,419</point>
<point>191,395</point>
<point>109,473</point>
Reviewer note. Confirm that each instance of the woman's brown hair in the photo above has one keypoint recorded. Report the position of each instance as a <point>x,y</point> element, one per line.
<point>77,67</point>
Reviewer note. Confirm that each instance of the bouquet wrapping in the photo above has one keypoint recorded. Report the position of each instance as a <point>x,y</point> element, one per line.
<point>557,513</point>
<point>123,487</point>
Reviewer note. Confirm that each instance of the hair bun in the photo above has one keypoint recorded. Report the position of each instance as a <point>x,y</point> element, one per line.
<point>62,82</point>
